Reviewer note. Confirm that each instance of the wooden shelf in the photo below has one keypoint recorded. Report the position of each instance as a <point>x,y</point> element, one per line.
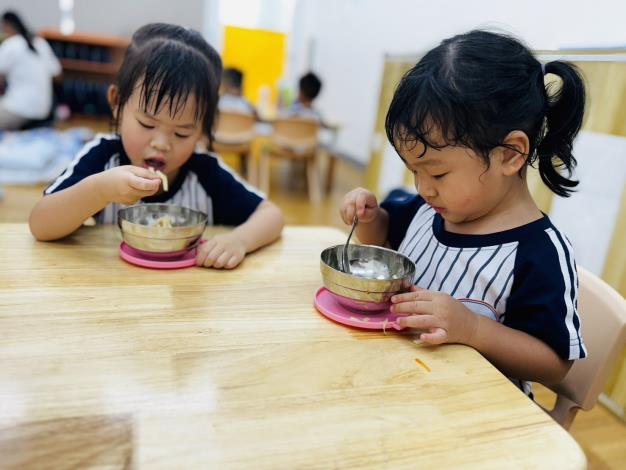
<point>86,38</point>
<point>74,65</point>
<point>90,63</point>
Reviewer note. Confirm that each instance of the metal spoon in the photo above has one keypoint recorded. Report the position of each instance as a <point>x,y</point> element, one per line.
<point>345,261</point>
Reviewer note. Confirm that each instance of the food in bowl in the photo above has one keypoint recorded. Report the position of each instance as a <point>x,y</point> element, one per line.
<point>164,221</point>
<point>376,275</point>
<point>161,228</point>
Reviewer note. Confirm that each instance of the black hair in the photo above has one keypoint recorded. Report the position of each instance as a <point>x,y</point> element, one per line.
<point>172,62</point>
<point>16,22</point>
<point>233,77</point>
<point>476,88</point>
<point>310,86</point>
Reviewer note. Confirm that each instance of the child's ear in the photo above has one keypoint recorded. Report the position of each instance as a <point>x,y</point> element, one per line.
<point>113,98</point>
<point>514,152</point>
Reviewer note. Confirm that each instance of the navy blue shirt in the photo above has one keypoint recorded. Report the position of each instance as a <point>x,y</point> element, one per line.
<point>524,278</point>
<point>203,183</point>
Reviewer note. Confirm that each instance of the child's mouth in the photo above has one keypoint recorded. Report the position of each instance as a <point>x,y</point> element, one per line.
<point>156,163</point>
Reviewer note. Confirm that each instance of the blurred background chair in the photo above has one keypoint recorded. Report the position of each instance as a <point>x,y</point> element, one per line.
<point>234,134</point>
<point>295,139</point>
<point>603,315</point>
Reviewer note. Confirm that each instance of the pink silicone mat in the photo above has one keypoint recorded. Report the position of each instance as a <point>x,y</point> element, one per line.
<point>330,308</point>
<point>132,256</point>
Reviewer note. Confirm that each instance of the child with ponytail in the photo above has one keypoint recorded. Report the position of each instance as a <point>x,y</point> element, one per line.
<point>493,272</point>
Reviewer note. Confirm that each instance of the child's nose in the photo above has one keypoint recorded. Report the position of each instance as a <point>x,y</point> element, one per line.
<point>160,143</point>
<point>424,188</point>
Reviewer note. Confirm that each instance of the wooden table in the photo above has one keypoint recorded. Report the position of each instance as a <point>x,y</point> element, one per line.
<point>108,365</point>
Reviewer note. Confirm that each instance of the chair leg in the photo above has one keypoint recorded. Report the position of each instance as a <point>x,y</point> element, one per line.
<point>244,160</point>
<point>564,411</point>
<point>330,172</point>
<point>253,169</point>
<point>264,172</point>
<point>313,179</point>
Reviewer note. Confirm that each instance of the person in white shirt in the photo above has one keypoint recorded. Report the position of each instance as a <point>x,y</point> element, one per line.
<point>27,65</point>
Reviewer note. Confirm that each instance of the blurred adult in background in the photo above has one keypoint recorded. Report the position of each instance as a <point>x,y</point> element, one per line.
<point>27,65</point>
<point>231,98</point>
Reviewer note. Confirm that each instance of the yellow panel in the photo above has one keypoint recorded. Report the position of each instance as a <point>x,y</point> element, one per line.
<point>259,54</point>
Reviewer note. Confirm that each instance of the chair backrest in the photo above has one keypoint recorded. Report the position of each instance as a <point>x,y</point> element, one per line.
<point>295,133</point>
<point>234,128</point>
<point>602,311</point>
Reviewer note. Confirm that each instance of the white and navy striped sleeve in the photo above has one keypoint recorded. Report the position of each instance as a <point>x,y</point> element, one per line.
<point>401,206</point>
<point>89,160</point>
<point>544,295</point>
<point>233,200</point>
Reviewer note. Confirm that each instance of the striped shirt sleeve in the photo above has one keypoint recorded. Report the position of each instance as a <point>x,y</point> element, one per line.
<point>233,199</point>
<point>544,295</point>
<point>89,160</point>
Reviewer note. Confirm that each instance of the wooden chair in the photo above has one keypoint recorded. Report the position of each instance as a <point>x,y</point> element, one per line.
<point>602,311</point>
<point>294,139</point>
<point>234,134</point>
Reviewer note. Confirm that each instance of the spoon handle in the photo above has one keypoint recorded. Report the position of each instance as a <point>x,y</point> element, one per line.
<point>344,259</point>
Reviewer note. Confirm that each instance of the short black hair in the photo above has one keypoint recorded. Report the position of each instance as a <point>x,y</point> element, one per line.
<point>233,77</point>
<point>310,85</point>
<point>476,88</point>
<point>171,62</point>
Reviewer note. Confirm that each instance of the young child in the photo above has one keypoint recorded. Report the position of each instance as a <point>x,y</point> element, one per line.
<point>163,101</point>
<point>232,98</point>
<point>309,87</point>
<point>492,270</point>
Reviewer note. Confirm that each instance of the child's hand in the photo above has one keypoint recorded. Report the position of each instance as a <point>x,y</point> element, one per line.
<point>443,318</point>
<point>221,251</point>
<point>127,184</point>
<point>359,202</point>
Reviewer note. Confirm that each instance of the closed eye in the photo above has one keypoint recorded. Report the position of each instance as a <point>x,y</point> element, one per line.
<point>147,126</point>
<point>182,136</point>
<point>438,177</point>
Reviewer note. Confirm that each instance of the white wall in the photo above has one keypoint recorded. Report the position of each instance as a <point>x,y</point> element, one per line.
<point>348,40</point>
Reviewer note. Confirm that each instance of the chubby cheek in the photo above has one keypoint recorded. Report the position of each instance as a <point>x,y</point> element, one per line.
<point>134,146</point>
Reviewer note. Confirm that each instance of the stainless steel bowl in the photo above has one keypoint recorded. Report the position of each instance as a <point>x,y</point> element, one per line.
<point>137,224</point>
<point>365,292</point>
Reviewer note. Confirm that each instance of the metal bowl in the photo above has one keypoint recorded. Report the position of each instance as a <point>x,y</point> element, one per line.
<point>369,290</point>
<point>137,224</point>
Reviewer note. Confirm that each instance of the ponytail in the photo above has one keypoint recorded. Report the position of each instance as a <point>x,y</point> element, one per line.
<point>14,20</point>
<point>564,117</point>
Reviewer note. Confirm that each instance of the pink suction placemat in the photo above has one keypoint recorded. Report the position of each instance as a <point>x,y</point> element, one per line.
<point>328,306</point>
<point>136,257</point>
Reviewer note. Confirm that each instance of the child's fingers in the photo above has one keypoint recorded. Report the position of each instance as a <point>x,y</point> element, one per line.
<point>347,213</point>
<point>203,251</point>
<point>435,336</point>
<point>412,306</point>
<point>233,262</point>
<point>144,184</point>
<point>212,256</point>
<point>361,204</point>
<point>143,172</point>
<point>422,322</point>
<point>416,293</point>
<point>222,259</point>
